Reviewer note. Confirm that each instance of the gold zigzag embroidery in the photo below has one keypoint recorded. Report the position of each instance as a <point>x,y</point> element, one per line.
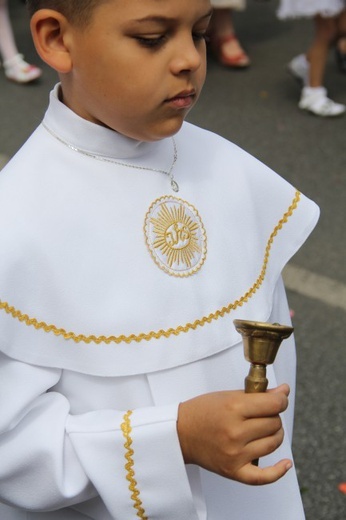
<point>78,338</point>
<point>130,476</point>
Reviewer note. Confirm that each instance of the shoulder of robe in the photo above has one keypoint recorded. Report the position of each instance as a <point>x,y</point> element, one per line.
<point>255,221</point>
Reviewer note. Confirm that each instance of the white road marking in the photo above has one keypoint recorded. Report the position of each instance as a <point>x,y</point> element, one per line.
<point>318,287</point>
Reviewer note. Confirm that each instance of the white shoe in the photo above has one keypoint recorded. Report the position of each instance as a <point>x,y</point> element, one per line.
<point>18,70</point>
<point>299,67</point>
<point>315,100</point>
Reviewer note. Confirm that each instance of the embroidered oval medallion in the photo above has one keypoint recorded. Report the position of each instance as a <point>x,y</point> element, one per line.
<point>175,236</point>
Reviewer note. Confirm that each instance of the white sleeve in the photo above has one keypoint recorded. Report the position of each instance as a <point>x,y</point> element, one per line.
<point>285,362</point>
<point>51,459</point>
<point>39,469</point>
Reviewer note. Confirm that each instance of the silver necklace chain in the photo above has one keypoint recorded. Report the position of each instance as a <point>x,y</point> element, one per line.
<point>169,173</point>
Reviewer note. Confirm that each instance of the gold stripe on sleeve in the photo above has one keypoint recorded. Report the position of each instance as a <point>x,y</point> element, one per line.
<point>130,476</point>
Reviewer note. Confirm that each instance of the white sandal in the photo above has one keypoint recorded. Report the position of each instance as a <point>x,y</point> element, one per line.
<point>18,70</point>
<point>315,100</point>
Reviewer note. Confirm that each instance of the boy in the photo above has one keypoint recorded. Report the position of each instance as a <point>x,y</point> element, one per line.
<point>135,241</point>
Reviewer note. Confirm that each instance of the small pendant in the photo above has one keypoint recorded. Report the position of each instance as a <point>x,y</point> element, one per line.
<point>174,185</point>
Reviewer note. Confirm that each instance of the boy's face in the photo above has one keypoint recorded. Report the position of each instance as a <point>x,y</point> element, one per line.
<point>139,66</point>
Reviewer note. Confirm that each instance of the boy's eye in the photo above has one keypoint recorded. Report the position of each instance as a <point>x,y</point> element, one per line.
<point>151,41</point>
<point>156,41</point>
<point>198,36</point>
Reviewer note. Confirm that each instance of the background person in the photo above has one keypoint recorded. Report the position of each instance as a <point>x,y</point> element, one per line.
<point>329,18</point>
<point>15,67</point>
<point>223,38</point>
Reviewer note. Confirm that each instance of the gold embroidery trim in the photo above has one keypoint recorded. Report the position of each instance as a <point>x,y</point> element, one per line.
<point>137,503</point>
<point>220,313</point>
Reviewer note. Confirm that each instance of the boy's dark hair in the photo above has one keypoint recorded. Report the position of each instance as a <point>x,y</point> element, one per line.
<point>77,12</point>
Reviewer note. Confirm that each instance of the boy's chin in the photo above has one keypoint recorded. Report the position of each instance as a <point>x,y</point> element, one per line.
<point>162,132</point>
<point>151,132</point>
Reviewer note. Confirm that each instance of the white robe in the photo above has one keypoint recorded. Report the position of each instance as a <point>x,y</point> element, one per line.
<point>74,256</point>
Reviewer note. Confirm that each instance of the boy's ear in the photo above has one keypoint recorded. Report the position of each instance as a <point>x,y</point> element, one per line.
<point>50,32</point>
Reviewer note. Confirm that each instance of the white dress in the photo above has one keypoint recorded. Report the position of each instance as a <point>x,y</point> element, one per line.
<point>98,321</point>
<point>238,5</point>
<point>310,8</point>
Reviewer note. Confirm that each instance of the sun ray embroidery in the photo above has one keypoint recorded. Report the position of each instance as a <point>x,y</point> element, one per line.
<point>175,236</point>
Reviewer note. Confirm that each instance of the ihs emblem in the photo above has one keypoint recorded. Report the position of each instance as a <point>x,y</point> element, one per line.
<point>175,236</point>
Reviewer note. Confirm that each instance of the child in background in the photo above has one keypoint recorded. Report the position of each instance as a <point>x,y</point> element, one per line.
<point>340,52</point>
<point>222,34</point>
<point>131,242</point>
<point>15,67</point>
<point>330,23</point>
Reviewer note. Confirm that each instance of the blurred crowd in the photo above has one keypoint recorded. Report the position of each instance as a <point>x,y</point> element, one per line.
<point>329,21</point>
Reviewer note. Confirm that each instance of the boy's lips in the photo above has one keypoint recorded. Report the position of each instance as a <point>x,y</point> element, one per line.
<point>182,100</point>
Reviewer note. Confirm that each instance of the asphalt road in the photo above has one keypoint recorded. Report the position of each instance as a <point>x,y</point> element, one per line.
<point>257,109</point>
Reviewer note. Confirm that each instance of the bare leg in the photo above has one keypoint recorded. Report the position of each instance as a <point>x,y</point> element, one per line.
<point>8,48</point>
<point>310,69</point>
<point>341,43</point>
<point>16,69</point>
<point>341,27</point>
<point>340,48</point>
<point>325,35</point>
<point>224,40</point>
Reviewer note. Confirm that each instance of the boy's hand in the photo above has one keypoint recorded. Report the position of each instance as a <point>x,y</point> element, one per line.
<point>224,431</point>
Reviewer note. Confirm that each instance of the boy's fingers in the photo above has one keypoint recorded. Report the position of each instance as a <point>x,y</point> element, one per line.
<point>265,405</point>
<point>255,476</point>
<point>262,428</point>
<point>262,447</point>
<point>282,388</point>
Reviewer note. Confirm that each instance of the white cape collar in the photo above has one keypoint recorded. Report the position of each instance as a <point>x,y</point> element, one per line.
<point>96,139</point>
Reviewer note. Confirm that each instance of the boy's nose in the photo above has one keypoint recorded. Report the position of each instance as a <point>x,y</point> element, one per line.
<point>188,56</point>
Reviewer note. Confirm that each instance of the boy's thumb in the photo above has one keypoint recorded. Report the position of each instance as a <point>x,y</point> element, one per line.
<point>281,388</point>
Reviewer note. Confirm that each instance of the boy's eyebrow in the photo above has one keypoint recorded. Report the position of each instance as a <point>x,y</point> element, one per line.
<point>165,19</point>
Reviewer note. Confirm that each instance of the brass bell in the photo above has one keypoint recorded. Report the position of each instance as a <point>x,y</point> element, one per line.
<point>261,343</point>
